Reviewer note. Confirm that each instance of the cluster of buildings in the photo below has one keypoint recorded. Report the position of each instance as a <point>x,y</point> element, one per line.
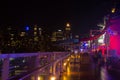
<point>107,39</point>
<point>35,38</point>
<point>61,35</point>
<point>36,31</point>
<point>30,36</point>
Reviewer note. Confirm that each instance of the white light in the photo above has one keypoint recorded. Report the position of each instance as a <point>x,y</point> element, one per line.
<point>86,44</point>
<point>11,58</point>
<point>81,50</point>
<point>59,30</point>
<point>76,51</point>
<point>23,61</point>
<point>39,29</point>
<point>100,41</point>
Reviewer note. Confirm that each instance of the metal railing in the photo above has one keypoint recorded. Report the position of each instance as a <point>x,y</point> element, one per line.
<point>28,59</point>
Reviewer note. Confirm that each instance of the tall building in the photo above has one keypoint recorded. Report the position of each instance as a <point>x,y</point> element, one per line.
<point>68,34</point>
<point>57,35</point>
<point>37,32</point>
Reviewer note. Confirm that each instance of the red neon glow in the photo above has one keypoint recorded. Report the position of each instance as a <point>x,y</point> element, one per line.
<point>103,49</point>
<point>115,38</point>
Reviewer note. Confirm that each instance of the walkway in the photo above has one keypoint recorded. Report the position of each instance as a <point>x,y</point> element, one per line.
<point>82,68</point>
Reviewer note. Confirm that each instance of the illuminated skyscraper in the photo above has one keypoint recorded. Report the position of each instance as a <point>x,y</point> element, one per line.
<point>57,36</point>
<point>37,31</point>
<point>68,34</point>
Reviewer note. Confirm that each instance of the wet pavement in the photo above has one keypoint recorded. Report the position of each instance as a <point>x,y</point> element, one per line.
<point>83,68</point>
<point>79,68</point>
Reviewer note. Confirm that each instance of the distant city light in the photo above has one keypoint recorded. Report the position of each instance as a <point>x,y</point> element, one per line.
<point>22,34</point>
<point>27,28</point>
<point>68,25</point>
<point>23,61</point>
<point>35,28</point>
<point>39,29</point>
<point>59,30</point>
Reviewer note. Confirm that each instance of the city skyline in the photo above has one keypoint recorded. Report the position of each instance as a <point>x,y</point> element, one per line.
<point>82,15</point>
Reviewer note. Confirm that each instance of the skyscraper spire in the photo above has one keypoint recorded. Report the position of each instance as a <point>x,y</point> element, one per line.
<point>68,31</point>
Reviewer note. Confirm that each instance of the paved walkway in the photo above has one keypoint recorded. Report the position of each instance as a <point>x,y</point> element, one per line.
<point>83,68</point>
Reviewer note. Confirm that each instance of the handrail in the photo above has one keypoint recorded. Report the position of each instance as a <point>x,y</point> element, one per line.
<point>41,68</point>
<point>6,59</point>
<point>3,56</point>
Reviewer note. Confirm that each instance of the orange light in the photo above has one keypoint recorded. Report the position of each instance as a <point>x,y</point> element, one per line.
<point>113,10</point>
<point>65,64</point>
<point>68,59</point>
<point>53,78</point>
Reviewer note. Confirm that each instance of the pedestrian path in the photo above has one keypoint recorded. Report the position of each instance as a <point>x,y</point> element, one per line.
<point>83,68</point>
<point>79,69</point>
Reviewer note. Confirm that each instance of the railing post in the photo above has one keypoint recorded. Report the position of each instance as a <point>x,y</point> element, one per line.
<point>51,69</point>
<point>54,68</point>
<point>5,69</point>
<point>61,66</point>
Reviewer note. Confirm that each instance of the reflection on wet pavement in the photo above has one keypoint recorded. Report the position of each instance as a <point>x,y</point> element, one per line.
<point>81,68</point>
<point>84,69</point>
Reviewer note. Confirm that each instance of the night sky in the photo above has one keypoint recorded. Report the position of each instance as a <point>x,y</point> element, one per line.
<point>83,15</point>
